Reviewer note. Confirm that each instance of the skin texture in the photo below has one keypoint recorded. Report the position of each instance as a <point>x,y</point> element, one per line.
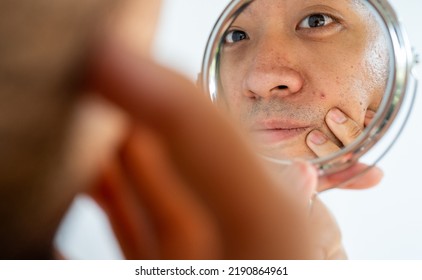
<point>44,43</point>
<point>282,74</point>
<point>103,119</point>
<point>55,135</point>
<point>61,139</point>
<point>192,174</point>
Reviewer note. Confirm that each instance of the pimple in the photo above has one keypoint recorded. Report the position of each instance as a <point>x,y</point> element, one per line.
<point>323,96</point>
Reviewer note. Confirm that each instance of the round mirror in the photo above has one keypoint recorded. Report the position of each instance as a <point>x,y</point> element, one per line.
<point>326,81</point>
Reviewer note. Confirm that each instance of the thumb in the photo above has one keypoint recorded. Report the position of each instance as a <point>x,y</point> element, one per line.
<point>369,116</point>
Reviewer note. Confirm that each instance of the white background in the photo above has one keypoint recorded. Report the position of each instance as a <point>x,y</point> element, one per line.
<point>381,223</point>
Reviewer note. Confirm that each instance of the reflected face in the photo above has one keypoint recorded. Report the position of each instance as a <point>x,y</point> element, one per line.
<point>285,63</point>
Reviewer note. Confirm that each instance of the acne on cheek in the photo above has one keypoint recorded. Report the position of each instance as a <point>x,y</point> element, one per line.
<point>320,95</point>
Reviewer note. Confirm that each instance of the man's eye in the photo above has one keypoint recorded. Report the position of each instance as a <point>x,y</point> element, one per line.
<point>235,36</point>
<point>315,21</point>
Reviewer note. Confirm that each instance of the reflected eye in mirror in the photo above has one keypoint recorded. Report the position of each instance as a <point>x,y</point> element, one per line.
<point>322,81</point>
<point>316,20</point>
<point>234,36</point>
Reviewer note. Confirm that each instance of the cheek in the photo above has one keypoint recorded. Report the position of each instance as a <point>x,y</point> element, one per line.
<point>376,69</point>
<point>353,98</point>
<point>341,88</point>
<point>230,91</point>
<point>341,81</point>
<point>371,73</point>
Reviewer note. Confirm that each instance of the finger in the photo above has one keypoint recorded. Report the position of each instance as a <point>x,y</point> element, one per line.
<point>128,220</point>
<point>320,144</point>
<point>359,176</point>
<point>369,116</point>
<point>365,178</point>
<point>188,125</point>
<point>344,128</point>
<point>168,226</point>
<point>183,228</point>
<point>302,176</point>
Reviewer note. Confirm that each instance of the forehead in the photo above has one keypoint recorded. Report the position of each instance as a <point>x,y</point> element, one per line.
<point>302,3</point>
<point>291,7</point>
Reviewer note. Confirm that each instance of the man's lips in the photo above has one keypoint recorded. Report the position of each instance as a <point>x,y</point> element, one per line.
<point>272,131</point>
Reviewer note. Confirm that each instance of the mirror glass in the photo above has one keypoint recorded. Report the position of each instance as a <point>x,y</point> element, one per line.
<point>311,79</point>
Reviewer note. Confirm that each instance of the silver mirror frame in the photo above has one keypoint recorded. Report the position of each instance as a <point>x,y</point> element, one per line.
<point>401,87</point>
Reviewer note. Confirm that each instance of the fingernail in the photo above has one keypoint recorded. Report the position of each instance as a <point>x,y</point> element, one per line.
<point>317,137</point>
<point>337,116</point>
<point>370,114</point>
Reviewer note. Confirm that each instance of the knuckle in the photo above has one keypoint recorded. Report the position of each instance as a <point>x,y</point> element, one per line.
<point>355,131</point>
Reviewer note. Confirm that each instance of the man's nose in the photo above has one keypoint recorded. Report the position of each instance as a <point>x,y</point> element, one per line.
<point>272,73</point>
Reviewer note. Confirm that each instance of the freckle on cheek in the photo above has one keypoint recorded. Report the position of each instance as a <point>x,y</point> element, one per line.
<point>337,80</point>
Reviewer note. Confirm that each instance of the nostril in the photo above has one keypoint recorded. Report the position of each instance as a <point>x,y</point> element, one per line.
<point>282,87</point>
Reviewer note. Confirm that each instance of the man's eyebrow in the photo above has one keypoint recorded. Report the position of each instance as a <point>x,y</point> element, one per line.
<point>246,9</point>
<point>243,11</point>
